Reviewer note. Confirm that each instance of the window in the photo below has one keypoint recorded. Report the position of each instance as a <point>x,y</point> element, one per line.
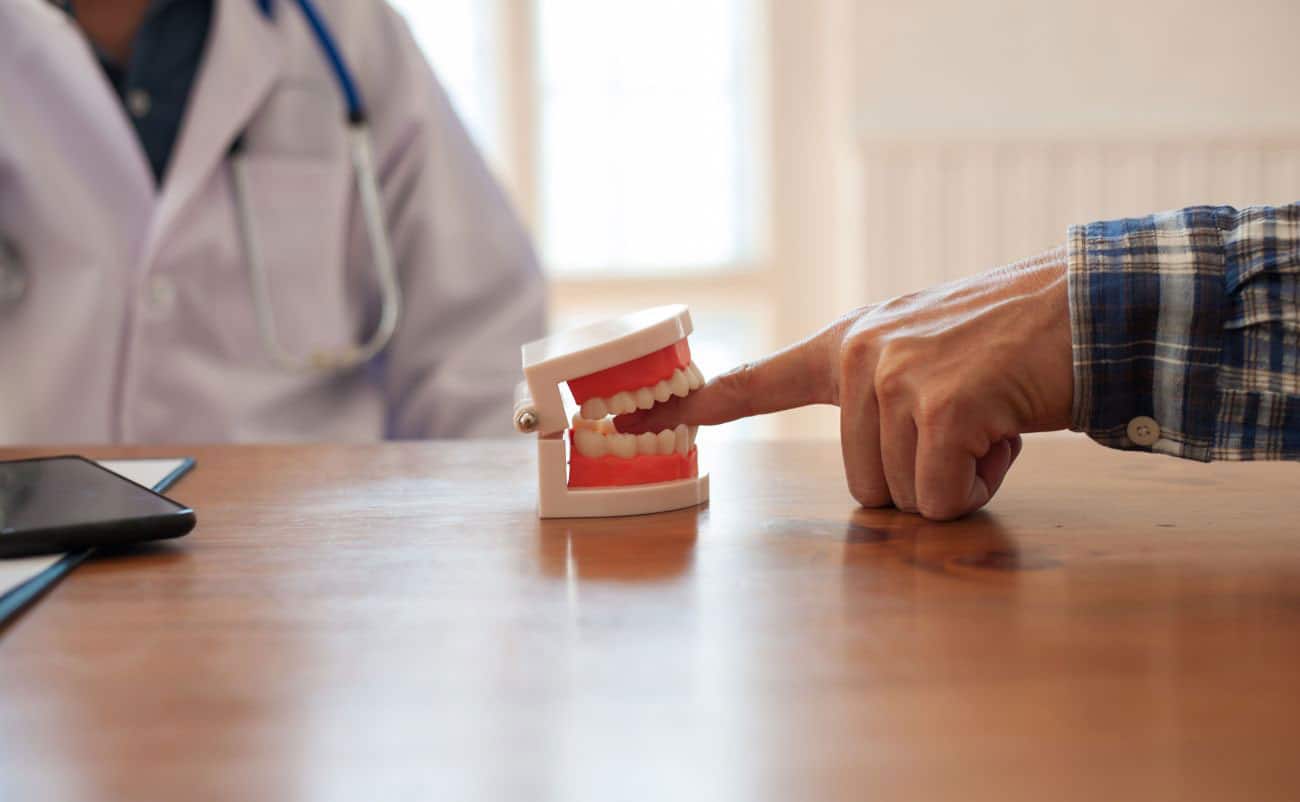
<point>642,117</point>
<point>643,114</point>
<point>629,136</point>
<point>459,39</point>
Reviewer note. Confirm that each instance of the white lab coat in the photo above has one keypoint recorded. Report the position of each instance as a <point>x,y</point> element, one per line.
<point>138,325</point>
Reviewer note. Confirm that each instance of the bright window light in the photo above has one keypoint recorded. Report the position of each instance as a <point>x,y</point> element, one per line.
<point>645,154</point>
<point>646,144</point>
<point>459,37</point>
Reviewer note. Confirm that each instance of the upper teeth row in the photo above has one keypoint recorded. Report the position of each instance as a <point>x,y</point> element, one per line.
<point>682,382</point>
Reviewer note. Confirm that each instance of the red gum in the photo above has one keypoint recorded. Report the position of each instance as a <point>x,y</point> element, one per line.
<point>645,371</point>
<point>610,471</point>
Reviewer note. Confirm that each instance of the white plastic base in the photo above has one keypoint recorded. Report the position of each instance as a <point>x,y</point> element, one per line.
<point>556,500</point>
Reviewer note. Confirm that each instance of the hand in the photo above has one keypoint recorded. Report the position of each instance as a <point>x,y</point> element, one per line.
<point>934,388</point>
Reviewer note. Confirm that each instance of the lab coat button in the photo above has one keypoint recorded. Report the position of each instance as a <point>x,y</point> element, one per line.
<point>1143,431</point>
<point>162,295</point>
<point>139,103</point>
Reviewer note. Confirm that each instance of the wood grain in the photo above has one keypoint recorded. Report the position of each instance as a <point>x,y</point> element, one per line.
<point>392,622</point>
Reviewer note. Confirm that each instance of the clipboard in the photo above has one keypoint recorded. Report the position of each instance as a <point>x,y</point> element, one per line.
<point>159,474</point>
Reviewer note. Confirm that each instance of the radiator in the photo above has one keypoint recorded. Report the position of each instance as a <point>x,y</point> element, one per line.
<point>940,210</point>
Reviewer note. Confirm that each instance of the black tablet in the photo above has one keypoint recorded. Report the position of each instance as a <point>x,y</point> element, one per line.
<point>60,504</point>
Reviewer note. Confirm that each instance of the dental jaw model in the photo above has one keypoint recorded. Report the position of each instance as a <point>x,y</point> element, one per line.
<point>612,368</point>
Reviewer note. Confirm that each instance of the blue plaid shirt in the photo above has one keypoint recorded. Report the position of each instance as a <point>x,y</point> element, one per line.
<point>1190,319</point>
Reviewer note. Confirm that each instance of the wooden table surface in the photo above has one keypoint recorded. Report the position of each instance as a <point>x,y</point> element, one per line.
<point>392,622</point>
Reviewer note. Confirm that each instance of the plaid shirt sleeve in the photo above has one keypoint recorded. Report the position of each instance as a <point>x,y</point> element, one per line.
<point>1186,324</point>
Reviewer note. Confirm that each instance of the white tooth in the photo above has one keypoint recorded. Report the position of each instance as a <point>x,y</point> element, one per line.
<point>679,385</point>
<point>594,409</point>
<point>694,376</point>
<point>622,445</point>
<point>662,391</point>
<point>644,398</point>
<point>580,422</point>
<point>693,430</point>
<point>666,440</point>
<point>606,426</point>
<point>622,403</point>
<point>682,436</point>
<point>590,443</point>
<point>647,443</point>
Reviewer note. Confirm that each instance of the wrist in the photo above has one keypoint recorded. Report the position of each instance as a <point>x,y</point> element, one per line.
<point>1046,291</point>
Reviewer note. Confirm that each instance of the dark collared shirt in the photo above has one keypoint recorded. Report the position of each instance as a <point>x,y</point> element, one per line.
<point>155,84</point>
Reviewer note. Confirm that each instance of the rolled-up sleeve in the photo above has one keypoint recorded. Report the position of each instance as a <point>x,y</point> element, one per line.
<point>1186,328</point>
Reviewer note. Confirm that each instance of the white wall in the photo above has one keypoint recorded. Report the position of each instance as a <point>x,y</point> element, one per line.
<point>1099,68</point>
<point>987,128</point>
<point>976,132</point>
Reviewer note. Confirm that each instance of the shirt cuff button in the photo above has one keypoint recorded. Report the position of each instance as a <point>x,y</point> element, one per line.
<point>1143,431</point>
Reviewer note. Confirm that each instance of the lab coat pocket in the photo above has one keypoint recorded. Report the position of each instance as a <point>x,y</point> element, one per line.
<point>301,119</point>
<point>300,210</point>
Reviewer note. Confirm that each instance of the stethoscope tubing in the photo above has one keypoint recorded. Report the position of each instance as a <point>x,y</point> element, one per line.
<point>13,276</point>
<point>361,153</point>
<point>390,290</point>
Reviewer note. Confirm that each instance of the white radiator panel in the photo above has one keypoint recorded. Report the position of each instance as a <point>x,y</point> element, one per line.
<point>940,210</point>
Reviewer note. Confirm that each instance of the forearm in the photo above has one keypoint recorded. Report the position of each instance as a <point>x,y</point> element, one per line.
<point>1189,319</point>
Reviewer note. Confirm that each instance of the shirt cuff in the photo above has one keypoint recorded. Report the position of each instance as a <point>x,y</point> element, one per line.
<point>1146,307</point>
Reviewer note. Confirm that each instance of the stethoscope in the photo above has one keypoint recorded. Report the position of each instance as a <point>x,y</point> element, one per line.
<point>372,209</point>
<point>14,277</point>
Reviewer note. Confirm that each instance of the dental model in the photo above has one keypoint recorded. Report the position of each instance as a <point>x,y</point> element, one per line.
<point>612,368</point>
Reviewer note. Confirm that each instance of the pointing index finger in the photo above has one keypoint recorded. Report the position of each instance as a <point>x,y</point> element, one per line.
<point>796,376</point>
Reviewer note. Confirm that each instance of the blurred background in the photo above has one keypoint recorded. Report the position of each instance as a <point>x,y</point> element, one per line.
<point>774,163</point>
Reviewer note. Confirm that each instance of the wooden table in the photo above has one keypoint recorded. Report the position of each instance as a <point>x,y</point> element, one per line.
<point>392,622</point>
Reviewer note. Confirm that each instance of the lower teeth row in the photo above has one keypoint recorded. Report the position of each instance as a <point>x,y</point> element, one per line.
<point>592,443</point>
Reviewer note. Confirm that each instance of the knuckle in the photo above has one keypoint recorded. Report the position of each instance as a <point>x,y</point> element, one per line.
<point>937,413</point>
<point>854,363</point>
<point>891,381</point>
<point>738,378</point>
<point>738,384</point>
<point>869,494</point>
<point>857,354</point>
